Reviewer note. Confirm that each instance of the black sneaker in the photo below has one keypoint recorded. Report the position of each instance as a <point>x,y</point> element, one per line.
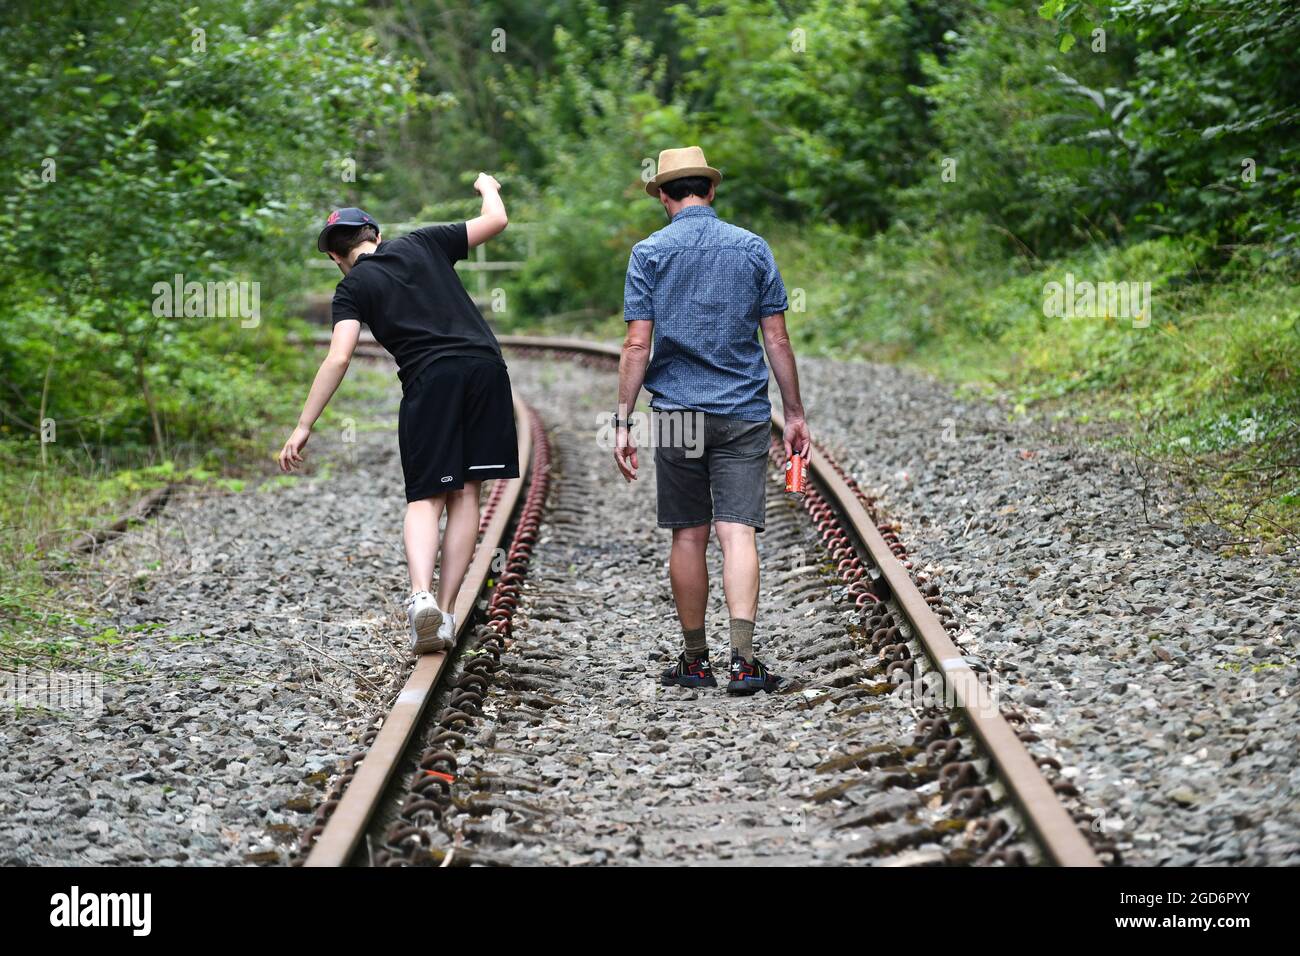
<point>689,673</point>
<point>748,677</point>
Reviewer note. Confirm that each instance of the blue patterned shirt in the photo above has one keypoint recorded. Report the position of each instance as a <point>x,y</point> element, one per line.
<point>705,284</point>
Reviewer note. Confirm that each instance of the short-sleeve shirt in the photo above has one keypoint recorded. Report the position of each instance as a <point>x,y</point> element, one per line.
<point>705,284</point>
<point>408,293</point>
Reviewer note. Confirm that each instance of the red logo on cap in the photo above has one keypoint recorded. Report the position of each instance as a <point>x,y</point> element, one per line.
<point>334,217</point>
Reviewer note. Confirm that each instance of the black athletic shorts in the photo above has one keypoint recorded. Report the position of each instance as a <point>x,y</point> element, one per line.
<point>457,424</point>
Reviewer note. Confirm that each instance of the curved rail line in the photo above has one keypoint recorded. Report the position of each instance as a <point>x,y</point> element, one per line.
<point>839,509</point>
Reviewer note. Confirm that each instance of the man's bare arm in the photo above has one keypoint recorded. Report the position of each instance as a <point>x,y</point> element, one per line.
<point>631,376</point>
<point>342,343</point>
<point>780,355</point>
<point>632,364</point>
<point>492,219</point>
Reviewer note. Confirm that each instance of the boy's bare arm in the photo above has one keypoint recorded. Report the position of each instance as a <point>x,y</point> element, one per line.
<point>780,355</point>
<point>328,377</point>
<point>491,219</point>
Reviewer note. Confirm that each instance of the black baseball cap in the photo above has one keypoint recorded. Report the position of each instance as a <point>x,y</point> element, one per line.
<point>350,216</point>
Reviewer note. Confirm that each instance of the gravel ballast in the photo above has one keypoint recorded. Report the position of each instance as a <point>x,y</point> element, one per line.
<point>585,759</point>
<point>260,631</point>
<point>1162,675</point>
<point>261,634</point>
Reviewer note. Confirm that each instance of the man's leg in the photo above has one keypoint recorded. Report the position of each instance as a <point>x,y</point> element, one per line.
<point>420,532</point>
<point>458,543</point>
<point>682,504</point>
<point>690,580</point>
<point>738,473</point>
<point>740,583</point>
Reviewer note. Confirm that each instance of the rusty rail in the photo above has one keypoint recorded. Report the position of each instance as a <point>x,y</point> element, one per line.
<point>1056,830</point>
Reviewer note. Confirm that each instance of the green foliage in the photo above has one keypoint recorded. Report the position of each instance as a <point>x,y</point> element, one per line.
<point>923,166</point>
<point>145,143</point>
<point>595,120</point>
<point>472,58</point>
<point>141,141</point>
<point>810,108</point>
<point>1210,387</point>
<point>1030,139</point>
<point>1210,114</point>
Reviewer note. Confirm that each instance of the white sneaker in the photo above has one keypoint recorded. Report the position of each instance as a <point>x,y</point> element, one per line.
<point>425,618</point>
<point>447,631</point>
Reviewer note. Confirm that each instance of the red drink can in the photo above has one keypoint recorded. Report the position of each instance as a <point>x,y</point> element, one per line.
<point>796,477</point>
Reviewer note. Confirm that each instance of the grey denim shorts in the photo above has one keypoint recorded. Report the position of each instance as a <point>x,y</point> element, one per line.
<point>722,477</point>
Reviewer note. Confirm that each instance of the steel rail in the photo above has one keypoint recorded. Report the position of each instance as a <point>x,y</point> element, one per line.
<point>1057,832</point>
<point>345,827</point>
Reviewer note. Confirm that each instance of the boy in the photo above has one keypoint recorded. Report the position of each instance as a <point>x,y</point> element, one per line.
<point>456,425</point>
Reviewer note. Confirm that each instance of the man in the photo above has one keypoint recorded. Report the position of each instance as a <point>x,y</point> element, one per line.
<point>703,289</point>
<point>456,423</point>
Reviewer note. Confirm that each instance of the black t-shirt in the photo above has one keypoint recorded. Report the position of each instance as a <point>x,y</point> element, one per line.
<point>413,301</point>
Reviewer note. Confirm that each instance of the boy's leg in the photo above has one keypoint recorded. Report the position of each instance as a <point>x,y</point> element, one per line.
<point>420,532</point>
<point>428,440</point>
<point>489,451</point>
<point>458,542</point>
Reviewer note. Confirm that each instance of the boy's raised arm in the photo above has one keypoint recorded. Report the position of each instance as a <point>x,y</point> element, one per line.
<point>491,219</point>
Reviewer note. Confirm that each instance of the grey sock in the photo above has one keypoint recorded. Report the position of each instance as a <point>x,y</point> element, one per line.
<point>696,646</point>
<point>742,638</point>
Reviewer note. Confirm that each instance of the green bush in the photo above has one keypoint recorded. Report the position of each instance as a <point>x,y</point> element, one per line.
<point>811,108</point>
<point>141,144</point>
<point>1210,114</point>
<point>595,119</point>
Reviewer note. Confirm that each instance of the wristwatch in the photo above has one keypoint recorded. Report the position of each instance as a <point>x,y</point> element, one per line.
<point>627,423</point>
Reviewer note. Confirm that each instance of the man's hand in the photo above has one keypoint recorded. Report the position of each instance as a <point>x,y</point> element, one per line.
<point>291,453</point>
<point>625,453</point>
<point>485,181</point>
<point>796,437</point>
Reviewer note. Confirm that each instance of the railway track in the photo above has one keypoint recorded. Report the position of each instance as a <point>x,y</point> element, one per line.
<point>454,773</point>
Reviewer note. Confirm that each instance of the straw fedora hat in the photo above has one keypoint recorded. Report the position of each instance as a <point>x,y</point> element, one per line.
<point>680,163</point>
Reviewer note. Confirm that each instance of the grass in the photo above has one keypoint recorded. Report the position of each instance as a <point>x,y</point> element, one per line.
<point>41,509</point>
<point>589,325</point>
